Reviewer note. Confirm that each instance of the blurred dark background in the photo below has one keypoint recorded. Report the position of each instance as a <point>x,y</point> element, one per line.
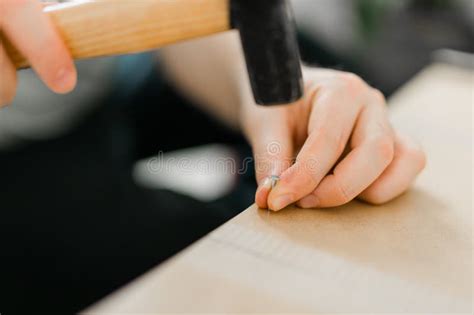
<point>79,184</point>
<point>386,42</point>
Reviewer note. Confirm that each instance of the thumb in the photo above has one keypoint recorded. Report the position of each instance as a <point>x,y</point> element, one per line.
<point>273,153</point>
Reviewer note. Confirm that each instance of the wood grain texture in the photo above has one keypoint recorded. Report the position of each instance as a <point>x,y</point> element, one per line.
<point>111,27</point>
<point>413,255</point>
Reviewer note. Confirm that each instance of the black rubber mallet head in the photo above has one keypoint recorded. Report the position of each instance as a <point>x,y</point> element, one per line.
<point>268,34</point>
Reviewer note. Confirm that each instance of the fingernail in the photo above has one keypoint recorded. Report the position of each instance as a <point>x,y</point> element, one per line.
<point>307,202</point>
<point>281,202</point>
<point>267,183</point>
<point>65,80</point>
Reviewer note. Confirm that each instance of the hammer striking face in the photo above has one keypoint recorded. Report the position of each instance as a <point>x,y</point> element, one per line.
<point>267,31</point>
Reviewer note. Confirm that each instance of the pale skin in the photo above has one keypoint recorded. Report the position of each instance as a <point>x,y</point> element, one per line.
<point>333,146</point>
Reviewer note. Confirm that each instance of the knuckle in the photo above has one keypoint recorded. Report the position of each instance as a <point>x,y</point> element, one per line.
<point>349,86</point>
<point>351,80</point>
<point>384,148</point>
<point>416,155</point>
<point>333,139</point>
<point>378,96</point>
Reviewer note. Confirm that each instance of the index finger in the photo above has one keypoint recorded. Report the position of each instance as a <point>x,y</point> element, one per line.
<point>334,114</point>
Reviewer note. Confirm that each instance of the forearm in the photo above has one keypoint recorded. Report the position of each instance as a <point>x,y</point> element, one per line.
<point>211,73</point>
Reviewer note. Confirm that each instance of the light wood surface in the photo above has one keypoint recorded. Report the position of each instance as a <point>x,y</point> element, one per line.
<point>111,27</point>
<point>413,255</point>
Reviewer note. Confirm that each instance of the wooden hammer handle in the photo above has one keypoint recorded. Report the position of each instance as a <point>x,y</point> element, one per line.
<point>112,27</point>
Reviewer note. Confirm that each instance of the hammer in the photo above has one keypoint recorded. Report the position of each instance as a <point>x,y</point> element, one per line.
<point>113,27</point>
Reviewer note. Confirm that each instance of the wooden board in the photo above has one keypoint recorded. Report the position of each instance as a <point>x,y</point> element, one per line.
<point>413,255</point>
